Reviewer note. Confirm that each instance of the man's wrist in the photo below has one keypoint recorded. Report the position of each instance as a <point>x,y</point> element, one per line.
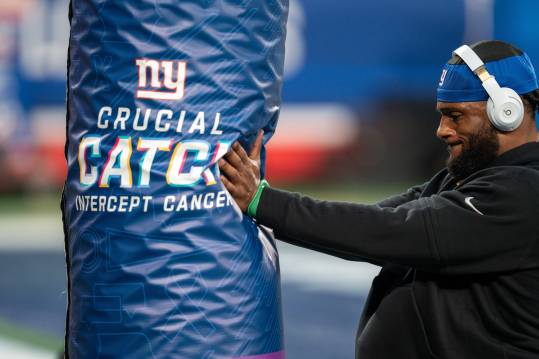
<point>253,205</point>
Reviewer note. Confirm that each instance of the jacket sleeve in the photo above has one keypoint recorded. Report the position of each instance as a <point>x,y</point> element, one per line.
<point>487,225</point>
<point>410,195</point>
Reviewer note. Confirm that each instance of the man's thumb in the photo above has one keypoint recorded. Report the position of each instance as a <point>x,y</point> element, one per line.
<point>257,147</point>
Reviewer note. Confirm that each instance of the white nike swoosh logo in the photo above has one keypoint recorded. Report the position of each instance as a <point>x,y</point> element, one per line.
<point>468,201</point>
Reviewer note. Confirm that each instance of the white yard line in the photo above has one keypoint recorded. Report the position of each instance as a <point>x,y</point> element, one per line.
<point>318,271</point>
<point>15,350</point>
<point>40,232</point>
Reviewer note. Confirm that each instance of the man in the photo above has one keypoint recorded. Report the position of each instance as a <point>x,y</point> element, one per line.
<point>459,254</point>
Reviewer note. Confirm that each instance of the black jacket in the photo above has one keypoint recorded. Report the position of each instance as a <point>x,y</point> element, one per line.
<point>460,276</point>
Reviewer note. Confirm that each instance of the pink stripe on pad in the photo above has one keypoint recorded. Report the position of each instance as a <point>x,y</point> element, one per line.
<point>276,355</point>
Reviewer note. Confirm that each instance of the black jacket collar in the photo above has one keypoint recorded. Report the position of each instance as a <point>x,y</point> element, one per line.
<point>523,155</point>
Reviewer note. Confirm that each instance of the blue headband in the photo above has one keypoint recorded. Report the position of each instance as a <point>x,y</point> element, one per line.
<point>459,84</point>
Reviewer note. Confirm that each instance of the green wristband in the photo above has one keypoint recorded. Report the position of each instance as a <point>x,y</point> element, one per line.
<point>253,206</point>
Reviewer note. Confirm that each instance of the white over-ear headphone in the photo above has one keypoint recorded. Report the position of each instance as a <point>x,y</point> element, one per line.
<point>504,107</point>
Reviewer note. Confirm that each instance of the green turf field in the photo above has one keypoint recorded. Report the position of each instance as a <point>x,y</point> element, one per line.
<point>29,337</point>
<point>30,203</point>
<point>357,192</point>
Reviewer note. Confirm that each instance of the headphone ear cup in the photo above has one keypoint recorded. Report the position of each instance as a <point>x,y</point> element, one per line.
<point>508,115</point>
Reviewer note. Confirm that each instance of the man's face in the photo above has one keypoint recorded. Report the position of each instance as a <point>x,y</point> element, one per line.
<point>471,140</point>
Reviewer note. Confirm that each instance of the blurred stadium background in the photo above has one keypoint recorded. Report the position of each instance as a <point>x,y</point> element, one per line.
<point>357,124</point>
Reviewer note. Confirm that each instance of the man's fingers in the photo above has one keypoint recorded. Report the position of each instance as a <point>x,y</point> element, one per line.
<point>233,157</point>
<point>242,155</point>
<point>229,171</point>
<point>238,149</point>
<point>257,146</point>
<point>229,186</point>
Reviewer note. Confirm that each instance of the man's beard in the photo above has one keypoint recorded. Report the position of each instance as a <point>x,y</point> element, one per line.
<point>478,153</point>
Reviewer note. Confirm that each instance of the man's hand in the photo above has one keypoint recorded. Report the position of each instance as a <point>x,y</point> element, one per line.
<point>240,173</point>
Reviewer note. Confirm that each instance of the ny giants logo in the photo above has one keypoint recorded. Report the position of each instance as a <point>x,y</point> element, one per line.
<point>171,88</point>
<point>442,78</point>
